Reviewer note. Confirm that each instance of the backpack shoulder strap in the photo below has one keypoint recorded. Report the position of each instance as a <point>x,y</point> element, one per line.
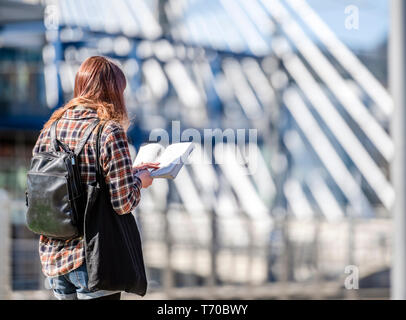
<point>99,171</point>
<point>55,143</point>
<point>86,136</point>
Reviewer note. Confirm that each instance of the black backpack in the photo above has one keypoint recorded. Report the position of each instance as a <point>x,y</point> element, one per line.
<point>55,196</point>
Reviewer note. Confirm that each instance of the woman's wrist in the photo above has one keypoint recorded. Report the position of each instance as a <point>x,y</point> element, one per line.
<point>145,177</point>
<point>138,181</point>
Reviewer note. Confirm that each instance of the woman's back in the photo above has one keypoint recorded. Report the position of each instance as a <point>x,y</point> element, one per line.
<point>98,93</point>
<point>57,256</point>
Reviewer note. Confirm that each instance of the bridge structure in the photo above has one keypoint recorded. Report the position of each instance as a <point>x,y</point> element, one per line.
<point>312,194</point>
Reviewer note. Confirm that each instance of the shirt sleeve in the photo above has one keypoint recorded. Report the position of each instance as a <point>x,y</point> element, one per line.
<point>37,146</point>
<point>124,186</point>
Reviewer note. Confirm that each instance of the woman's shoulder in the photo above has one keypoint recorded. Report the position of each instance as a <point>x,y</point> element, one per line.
<point>113,130</point>
<point>42,141</point>
<point>112,126</point>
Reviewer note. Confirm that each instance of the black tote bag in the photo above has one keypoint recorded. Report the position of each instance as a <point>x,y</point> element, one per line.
<point>113,248</point>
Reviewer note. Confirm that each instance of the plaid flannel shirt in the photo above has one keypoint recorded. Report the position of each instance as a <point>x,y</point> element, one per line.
<point>59,257</point>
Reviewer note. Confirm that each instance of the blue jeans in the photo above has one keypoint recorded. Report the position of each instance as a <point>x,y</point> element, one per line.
<point>73,286</point>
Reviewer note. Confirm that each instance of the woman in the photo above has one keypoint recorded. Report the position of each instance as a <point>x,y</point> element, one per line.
<point>98,93</point>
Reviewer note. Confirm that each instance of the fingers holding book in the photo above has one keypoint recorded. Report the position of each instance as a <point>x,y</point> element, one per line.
<point>145,177</point>
<point>142,172</point>
<point>147,165</point>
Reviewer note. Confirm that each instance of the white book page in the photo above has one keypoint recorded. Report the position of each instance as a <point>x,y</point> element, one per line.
<point>175,153</point>
<point>148,153</point>
<point>170,160</point>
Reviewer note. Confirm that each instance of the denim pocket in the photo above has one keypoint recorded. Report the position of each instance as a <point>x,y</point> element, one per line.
<point>61,285</point>
<point>50,284</point>
<point>81,277</point>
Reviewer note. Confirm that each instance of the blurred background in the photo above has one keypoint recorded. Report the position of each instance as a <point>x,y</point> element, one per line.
<point>310,76</point>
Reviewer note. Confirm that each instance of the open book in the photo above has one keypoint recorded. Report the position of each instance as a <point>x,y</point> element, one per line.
<point>170,160</point>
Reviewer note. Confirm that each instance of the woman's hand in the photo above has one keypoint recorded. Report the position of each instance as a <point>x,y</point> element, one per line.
<point>148,165</point>
<point>145,177</point>
<point>142,172</point>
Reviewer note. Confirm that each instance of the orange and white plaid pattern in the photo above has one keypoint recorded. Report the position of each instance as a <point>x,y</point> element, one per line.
<point>59,257</point>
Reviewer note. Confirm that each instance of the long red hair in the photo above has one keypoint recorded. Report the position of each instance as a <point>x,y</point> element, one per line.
<point>99,84</point>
